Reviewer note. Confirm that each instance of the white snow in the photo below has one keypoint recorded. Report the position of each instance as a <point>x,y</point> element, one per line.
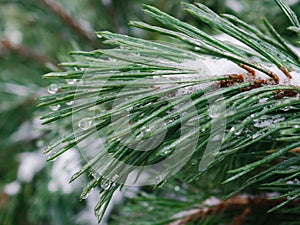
<point>87,215</point>
<point>210,66</point>
<point>12,188</point>
<point>292,2</point>
<point>212,201</point>
<point>296,79</point>
<point>28,131</point>
<point>30,164</point>
<point>221,66</point>
<point>235,5</point>
<point>226,38</point>
<point>63,168</point>
<point>266,121</point>
<point>185,214</point>
<point>106,2</point>
<point>14,35</point>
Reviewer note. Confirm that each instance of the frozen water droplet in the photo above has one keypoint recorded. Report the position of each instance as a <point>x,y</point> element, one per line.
<point>105,184</point>
<point>144,131</point>
<point>177,188</point>
<point>70,81</point>
<point>266,121</point>
<point>70,103</point>
<point>55,107</point>
<point>256,135</point>
<point>85,123</point>
<point>167,152</point>
<point>78,81</point>
<point>263,100</point>
<point>194,162</point>
<point>286,108</point>
<point>238,132</point>
<point>129,109</point>
<point>85,195</point>
<point>158,180</point>
<point>53,88</point>
<point>40,143</point>
<point>112,60</point>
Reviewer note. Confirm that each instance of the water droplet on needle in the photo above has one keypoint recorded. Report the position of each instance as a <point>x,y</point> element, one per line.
<point>85,123</point>
<point>53,88</point>
<point>55,107</point>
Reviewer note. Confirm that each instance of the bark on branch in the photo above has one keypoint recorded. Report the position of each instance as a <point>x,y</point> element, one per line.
<point>246,203</point>
<point>74,24</point>
<point>26,52</point>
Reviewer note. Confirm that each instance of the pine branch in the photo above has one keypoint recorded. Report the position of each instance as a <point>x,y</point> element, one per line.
<point>241,126</point>
<point>27,52</point>
<point>245,203</point>
<point>75,25</point>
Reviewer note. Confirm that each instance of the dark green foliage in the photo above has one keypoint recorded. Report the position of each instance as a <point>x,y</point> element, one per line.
<point>145,79</point>
<point>127,75</point>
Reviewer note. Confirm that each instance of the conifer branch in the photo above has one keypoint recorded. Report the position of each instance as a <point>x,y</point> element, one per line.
<point>26,52</point>
<point>245,203</point>
<point>143,80</point>
<point>75,25</point>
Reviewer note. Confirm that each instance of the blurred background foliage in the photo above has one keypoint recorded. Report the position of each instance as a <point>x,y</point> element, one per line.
<point>34,36</point>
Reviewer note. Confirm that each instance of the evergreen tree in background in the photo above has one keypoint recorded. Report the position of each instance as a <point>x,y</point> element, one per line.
<point>208,122</point>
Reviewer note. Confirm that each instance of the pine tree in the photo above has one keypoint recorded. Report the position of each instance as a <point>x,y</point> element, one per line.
<point>205,124</point>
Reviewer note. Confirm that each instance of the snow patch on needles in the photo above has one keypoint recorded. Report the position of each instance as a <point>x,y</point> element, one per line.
<point>30,164</point>
<point>221,67</point>
<point>235,5</point>
<point>296,78</point>
<point>209,67</point>
<point>22,133</point>
<point>63,169</point>
<point>12,188</point>
<point>87,216</point>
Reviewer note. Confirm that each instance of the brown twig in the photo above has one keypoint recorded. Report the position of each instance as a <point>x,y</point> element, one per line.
<point>286,72</point>
<point>69,20</point>
<point>245,202</point>
<point>26,52</point>
<point>239,220</point>
<point>294,150</point>
<point>3,199</point>
<point>249,69</point>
